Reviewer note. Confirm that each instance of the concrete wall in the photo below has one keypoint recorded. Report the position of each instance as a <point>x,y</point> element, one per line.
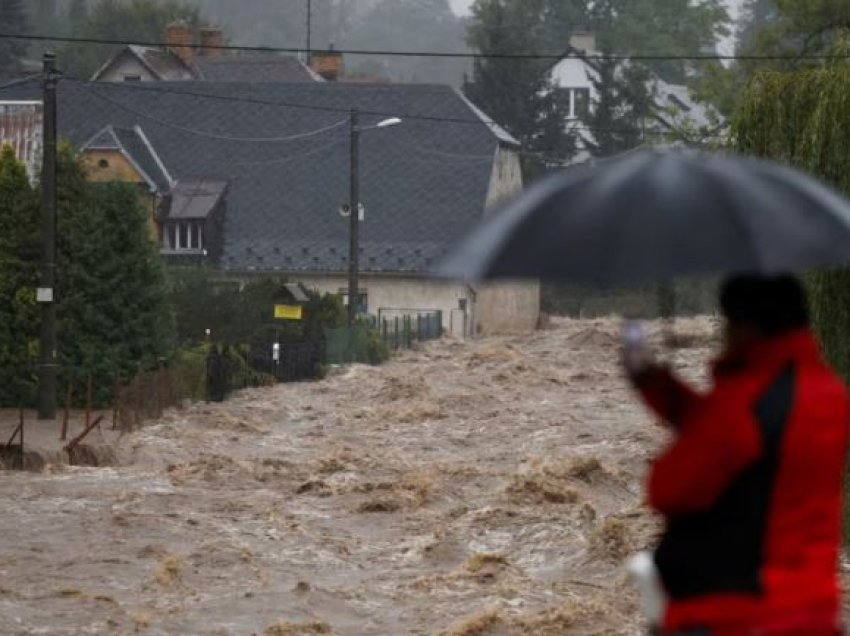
<point>497,308</point>
<point>505,179</point>
<point>509,307</point>
<point>386,292</point>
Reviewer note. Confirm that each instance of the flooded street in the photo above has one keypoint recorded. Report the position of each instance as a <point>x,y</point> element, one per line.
<point>486,488</point>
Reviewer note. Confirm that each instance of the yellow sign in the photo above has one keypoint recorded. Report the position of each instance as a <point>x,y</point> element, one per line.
<point>288,312</point>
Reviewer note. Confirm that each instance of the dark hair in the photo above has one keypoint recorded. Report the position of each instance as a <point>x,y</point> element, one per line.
<point>774,304</point>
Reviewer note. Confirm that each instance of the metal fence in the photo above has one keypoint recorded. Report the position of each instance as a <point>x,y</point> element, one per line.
<point>372,342</point>
<point>400,328</point>
<point>295,361</point>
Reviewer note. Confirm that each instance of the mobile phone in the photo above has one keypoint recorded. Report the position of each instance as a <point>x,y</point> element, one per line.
<point>634,346</point>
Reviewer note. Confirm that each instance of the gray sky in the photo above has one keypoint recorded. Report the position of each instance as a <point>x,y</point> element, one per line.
<point>461,7</point>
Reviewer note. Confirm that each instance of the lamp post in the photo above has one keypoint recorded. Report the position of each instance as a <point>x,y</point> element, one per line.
<point>354,214</point>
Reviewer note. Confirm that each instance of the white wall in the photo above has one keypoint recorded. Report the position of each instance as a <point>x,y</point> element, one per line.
<point>572,73</point>
<point>126,65</point>
<point>505,179</point>
<point>399,292</point>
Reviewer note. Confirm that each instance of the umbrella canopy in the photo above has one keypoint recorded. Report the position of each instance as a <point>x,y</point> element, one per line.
<point>654,215</point>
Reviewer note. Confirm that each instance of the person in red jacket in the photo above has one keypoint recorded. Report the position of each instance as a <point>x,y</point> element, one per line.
<point>750,486</point>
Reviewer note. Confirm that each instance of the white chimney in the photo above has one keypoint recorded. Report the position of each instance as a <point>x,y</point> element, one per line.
<point>584,42</point>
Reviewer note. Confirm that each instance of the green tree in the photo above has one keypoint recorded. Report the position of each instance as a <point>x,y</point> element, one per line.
<point>518,93</point>
<point>617,119</point>
<point>112,308</point>
<point>136,20</point>
<point>659,27</point>
<point>803,118</point>
<point>417,25</point>
<point>756,15</point>
<point>14,20</point>
<point>243,314</point>
<point>790,30</point>
<point>19,227</point>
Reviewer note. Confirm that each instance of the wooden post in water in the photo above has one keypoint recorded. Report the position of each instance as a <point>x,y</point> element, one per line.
<point>66,415</point>
<point>21,413</point>
<point>88,400</point>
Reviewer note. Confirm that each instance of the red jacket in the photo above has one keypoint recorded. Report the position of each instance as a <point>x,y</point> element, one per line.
<point>750,489</point>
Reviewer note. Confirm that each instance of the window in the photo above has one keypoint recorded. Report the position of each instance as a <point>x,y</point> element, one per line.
<point>103,164</point>
<point>132,78</point>
<point>184,235</point>
<point>576,101</point>
<point>581,102</point>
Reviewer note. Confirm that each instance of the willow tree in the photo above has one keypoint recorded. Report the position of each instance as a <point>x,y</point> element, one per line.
<point>803,119</point>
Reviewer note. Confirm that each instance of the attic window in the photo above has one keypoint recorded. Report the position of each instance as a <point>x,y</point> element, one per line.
<point>132,78</point>
<point>103,164</point>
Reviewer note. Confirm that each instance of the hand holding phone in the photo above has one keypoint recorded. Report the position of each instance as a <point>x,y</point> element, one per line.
<point>636,355</point>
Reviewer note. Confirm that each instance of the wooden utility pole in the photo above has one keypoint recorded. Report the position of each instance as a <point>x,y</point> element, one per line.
<point>354,219</point>
<point>46,292</point>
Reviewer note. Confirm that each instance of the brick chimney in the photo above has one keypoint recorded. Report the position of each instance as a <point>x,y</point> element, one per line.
<point>328,64</point>
<point>212,39</point>
<point>178,38</point>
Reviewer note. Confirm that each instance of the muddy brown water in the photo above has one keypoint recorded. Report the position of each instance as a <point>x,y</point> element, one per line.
<point>488,488</point>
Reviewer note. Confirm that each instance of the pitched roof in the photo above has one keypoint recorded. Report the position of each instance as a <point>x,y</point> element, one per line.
<point>161,63</point>
<point>277,68</point>
<point>667,95</point>
<point>424,184</point>
<point>167,66</point>
<point>134,145</point>
<point>195,199</point>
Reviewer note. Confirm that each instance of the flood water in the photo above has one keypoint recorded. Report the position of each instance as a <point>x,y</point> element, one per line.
<point>486,488</point>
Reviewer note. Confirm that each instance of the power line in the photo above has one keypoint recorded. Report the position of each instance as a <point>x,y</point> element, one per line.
<point>202,133</point>
<point>697,57</point>
<point>149,87</point>
<point>21,80</point>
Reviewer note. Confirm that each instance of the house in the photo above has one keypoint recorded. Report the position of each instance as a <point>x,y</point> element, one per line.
<point>182,61</point>
<point>675,108</point>
<point>21,129</point>
<point>251,178</point>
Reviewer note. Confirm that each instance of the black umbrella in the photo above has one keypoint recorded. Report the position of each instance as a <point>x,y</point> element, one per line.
<point>654,215</point>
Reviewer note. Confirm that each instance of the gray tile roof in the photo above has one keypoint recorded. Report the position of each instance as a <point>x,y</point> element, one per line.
<point>424,183</point>
<point>277,68</point>
<point>131,142</point>
<point>163,63</point>
<point>195,199</point>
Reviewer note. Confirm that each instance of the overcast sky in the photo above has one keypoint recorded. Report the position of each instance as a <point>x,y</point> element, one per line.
<point>461,7</point>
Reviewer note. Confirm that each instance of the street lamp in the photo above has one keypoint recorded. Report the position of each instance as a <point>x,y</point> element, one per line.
<point>354,203</point>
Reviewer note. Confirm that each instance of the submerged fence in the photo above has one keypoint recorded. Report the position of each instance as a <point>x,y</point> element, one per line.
<point>371,342</point>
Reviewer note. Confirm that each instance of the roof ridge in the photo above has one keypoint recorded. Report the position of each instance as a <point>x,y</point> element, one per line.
<point>157,160</point>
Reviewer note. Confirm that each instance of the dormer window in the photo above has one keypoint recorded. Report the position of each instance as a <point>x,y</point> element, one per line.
<point>184,236</point>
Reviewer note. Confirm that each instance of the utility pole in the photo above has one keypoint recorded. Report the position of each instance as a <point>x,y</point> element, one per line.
<point>309,29</point>
<point>354,219</point>
<point>46,292</point>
